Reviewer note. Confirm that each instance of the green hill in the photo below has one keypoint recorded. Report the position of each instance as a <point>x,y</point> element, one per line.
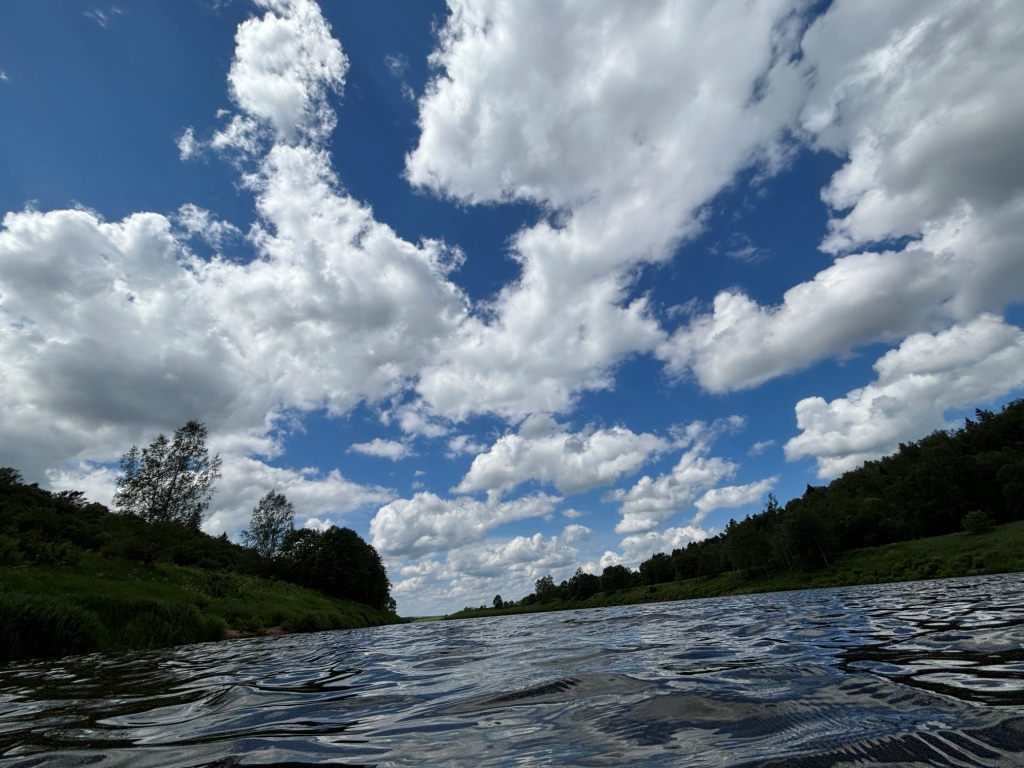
<point>76,578</point>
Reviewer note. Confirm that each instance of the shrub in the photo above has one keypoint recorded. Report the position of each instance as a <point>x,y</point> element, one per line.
<point>976,522</point>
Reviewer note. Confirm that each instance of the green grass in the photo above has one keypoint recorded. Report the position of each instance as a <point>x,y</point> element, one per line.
<point>99,604</point>
<point>1000,550</point>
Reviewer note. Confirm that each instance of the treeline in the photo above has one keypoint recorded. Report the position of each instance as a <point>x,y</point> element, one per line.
<point>969,478</point>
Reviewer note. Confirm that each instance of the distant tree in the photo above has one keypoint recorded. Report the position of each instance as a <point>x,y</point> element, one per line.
<point>169,480</point>
<point>545,589</point>
<point>498,602</point>
<point>10,476</point>
<point>977,522</point>
<point>616,577</point>
<point>271,521</point>
<point>339,563</point>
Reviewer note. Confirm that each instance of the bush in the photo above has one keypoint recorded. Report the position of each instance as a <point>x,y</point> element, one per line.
<point>976,522</point>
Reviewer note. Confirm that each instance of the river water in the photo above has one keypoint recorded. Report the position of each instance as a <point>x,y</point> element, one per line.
<point>919,674</point>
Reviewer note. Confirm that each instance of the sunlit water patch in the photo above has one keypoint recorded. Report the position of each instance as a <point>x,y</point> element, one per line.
<point>920,674</point>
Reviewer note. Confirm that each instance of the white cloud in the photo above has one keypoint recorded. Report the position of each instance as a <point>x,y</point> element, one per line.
<point>760,447</point>
<point>462,445</point>
<point>652,501</point>
<point>547,452</point>
<point>286,64</point>
<point>928,374</point>
<point>920,100</point>
<point>473,574</point>
<point>636,549</point>
<point>113,331</point>
<point>427,523</point>
<point>618,104</point>
<point>188,146</point>
<point>732,496</point>
<point>198,222</point>
<point>3,76</point>
<point>385,449</point>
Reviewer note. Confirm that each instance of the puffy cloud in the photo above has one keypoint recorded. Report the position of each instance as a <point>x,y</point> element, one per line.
<point>917,382</point>
<point>919,100</point>
<point>636,549</point>
<point>547,452</point>
<point>473,574</point>
<point>385,449</point>
<point>427,523</point>
<point>732,496</point>
<point>188,145</point>
<point>113,331</point>
<point>652,501</point>
<point>198,222</point>
<point>286,63</point>
<point>617,106</point>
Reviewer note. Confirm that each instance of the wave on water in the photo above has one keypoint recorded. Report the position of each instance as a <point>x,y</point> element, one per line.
<point>919,674</point>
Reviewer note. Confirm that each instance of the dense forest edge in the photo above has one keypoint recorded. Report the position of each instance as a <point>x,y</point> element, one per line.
<point>78,578</point>
<point>950,504</point>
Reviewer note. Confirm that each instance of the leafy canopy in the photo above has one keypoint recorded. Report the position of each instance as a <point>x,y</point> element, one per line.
<point>272,519</point>
<point>169,480</point>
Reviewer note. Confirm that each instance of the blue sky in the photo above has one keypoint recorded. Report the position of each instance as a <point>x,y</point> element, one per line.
<point>508,288</point>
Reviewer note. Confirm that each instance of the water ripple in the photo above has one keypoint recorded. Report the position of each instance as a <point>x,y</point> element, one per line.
<point>929,673</point>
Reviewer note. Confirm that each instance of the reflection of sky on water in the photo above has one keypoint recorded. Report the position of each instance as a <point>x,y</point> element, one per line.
<point>928,672</point>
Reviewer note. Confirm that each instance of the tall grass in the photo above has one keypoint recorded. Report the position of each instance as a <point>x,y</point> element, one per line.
<point>101,604</point>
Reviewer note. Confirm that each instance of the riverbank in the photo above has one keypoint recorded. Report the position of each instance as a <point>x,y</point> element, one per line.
<point>102,604</point>
<point>1000,550</point>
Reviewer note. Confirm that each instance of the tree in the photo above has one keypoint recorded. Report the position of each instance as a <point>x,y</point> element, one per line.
<point>169,480</point>
<point>498,602</point>
<point>271,521</point>
<point>545,589</point>
<point>339,563</point>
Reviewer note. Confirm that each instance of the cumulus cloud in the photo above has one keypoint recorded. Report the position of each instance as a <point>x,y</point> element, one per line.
<point>547,452</point>
<point>198,222</point>
<point>286,64</point>
<point>113,331</point>
<point>919,100</point>
<point>426,523</point>
<point>917,382</point>
<point>636,549</point>
<point>619,103</point>
<point>652,501</point>
<point>385,449</point>
<point>732,496</point>
<point>473,574</point>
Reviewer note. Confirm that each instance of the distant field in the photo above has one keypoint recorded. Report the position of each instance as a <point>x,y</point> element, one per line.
<point>1001,550</point>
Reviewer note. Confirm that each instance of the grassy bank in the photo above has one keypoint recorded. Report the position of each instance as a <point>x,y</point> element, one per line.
<point>103,604</point>
<point>1001,550</point>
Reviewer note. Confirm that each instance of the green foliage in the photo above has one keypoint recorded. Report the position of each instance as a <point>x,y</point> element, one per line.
<point>336,562</point>
<point>977,522</point>
<point>272,519</point>
<point>169,480</point>
<point>76,578</point>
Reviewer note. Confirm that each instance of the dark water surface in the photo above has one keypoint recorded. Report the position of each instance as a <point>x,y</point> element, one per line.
<point>919,674</point>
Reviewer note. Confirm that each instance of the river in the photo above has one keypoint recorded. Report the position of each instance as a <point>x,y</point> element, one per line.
<point>920,674</point>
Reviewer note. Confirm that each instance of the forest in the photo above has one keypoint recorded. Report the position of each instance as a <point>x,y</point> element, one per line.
<point>970,478</point>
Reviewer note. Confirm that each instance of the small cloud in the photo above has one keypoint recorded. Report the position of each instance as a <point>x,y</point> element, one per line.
<point>758,448</point>
<point>572,514</point>
<point>396,64</point>
<point>188,147</point>
<point>198,222</point>
<point>739,247</point>
<point>462,445</point>
<point>102,17</point>
<point>316,524</point>
<point>385,449</point>
<point>3,75</point>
